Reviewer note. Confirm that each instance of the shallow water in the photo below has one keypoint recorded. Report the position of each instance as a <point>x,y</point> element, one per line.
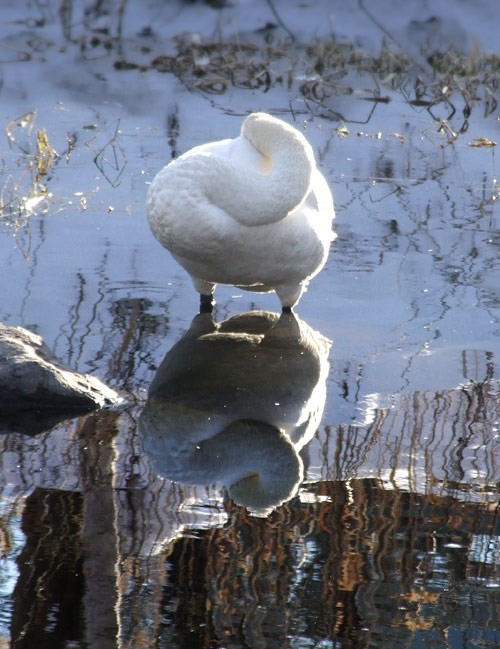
<point>379,525</point>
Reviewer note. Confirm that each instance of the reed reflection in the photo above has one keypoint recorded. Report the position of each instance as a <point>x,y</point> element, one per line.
<point>233,404</point>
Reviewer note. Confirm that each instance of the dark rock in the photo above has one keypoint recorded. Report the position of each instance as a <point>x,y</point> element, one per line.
<point>31,378</point>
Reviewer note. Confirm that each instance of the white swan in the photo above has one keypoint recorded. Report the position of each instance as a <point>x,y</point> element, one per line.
<point>254,212</point>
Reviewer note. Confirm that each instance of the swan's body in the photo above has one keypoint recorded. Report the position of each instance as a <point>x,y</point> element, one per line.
<point>254,212</point>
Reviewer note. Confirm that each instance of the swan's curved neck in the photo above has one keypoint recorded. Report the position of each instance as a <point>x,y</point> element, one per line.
<point>255,198</point>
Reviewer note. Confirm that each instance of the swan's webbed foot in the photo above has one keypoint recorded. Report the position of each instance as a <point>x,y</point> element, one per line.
<point>206,303</point>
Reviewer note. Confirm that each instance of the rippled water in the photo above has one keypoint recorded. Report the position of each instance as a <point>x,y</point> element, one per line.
<point>363,433</point>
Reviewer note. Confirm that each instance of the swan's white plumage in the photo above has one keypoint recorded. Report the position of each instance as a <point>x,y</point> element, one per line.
<point>254,211</point>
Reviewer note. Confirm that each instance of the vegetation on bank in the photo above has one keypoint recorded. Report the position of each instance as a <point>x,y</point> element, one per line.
<point>451,85</point>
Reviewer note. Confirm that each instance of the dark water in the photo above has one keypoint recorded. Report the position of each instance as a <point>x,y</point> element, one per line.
<point>364,434</point>
<point>353,566</point>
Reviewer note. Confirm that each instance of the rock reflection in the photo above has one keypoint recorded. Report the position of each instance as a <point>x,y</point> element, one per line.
<point>233,403</point>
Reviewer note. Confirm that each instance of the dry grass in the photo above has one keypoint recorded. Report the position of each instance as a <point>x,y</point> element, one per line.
<point>450,85</point>
<point>322,69</point>
<point>22,185</point>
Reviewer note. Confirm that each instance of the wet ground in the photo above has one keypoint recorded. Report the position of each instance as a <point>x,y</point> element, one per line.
<point>376,517</point>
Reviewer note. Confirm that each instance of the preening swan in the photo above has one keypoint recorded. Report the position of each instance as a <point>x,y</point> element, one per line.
<point>254,211</point>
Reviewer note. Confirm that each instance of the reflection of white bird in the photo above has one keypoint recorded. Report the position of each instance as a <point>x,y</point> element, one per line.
<point>254,212</point>
<point>233,404</point>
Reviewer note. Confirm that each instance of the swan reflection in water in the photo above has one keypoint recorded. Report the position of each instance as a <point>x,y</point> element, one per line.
<point>233,403</point>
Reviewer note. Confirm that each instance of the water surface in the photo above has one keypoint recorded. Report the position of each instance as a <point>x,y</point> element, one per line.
<point>384,530</point>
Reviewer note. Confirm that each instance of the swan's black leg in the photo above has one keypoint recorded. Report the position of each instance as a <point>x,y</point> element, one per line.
<point>206,303</point>
<point>286,309</point>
